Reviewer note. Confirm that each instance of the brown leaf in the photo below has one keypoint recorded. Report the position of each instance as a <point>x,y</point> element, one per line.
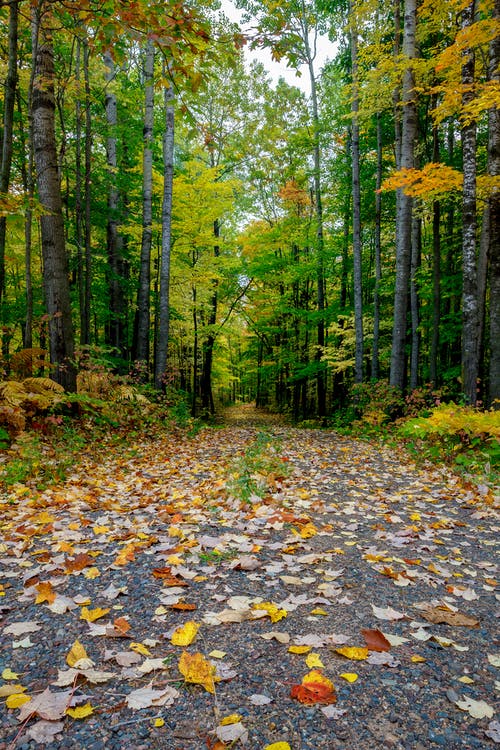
<point>313,692</point>
<point>78,562</point>
<point>47,705</point>
<point>439,615</point>
<point>375,640</point>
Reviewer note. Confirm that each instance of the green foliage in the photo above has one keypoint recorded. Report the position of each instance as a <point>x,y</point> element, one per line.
<point>253,472</point>
<point>467,437</point>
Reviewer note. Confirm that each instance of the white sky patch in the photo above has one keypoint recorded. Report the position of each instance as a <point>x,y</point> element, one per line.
<point>325,51</point>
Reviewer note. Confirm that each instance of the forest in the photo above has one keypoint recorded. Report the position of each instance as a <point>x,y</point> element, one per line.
<point>171,214</point>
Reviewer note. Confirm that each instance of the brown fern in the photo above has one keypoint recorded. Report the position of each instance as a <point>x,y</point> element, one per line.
<point>24,362</point>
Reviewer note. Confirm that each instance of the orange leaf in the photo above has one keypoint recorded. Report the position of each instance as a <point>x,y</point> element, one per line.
<point>122,625</point>
<point>78,562</point>
<point>45,593</point>
<point>375,640</point>
<point>313,692</point>
<point>168,579</point>
<point>183,606</point>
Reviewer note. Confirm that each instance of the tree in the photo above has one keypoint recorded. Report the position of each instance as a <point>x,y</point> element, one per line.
<point>404,205</point>
<point>55,261</point>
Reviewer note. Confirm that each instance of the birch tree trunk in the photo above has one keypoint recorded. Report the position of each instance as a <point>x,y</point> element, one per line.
<point>141,352</point>
<point>470,318</point>
<point>163,304</point>
<point>405,204</point>
<point>494,214</point>
<point>55,261</point>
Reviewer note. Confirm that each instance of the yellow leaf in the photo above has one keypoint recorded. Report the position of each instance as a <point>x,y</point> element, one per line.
<point>313,660</point>
<point>417,659</point>
<point>159,723</point>
<point>175,531</point>
<point>92,573</point>
<point>76,652</point>
<point>466,680</point>
<point>80,712</point>
<point>319,611</point>
<point>308,531</point>
<point>278,746</point>
<point>90,615</point>
<point>316,677</point>
<point>231,719</point>
<point>196,669</point>
<point>17,700</point>
<point>8,674</point>
<point>175,560</point>
<point>353,652</point>
<point>101,529</point>
<point>349,676</point>
<point>185,634</point>
<point>140,649</point>
<point>274,613</point>
<point>215,654</point>
<point>299,649</point>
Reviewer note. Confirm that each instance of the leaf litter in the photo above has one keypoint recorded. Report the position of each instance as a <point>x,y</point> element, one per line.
<point>348,535</point>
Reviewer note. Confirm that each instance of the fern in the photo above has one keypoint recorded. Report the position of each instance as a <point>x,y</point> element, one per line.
<point>23,363</point>
<point>41,385</point>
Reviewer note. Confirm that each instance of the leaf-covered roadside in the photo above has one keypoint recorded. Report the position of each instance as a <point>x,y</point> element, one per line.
<point>349,599</point>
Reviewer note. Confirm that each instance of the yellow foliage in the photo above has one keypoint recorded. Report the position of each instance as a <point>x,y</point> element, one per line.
<point>429,182</point>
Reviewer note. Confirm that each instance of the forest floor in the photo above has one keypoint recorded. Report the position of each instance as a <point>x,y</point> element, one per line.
<point>253,585</point>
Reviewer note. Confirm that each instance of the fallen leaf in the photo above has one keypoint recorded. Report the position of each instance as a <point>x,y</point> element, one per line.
<point>45,593</point>
<point>16,700</point>
<point>314,660</point>
<point>159,722</point>
<point>356,653</point>
<point>278,746</point>
<point>299,649</point>
<point>91,615</point>
<point>78,655</point>
<point>231,719</point>
<point>476,709</point>
<point>147,696</point>
<point>20,628</point>
<point>387,613</point>
<point>349,676</point>
<point>493,731</point>
<point>80,712</point>
<point>44,732</point>
<point>441,615</point>
<point>259,700</point>
<point>185,635</point>
<point>46,705</point>
<point>196,669</point>
<point>139,648</point>
<point>375,640</point>
<point>8,674</point>
<point>277,635</point>
<point>11,689</point>
<point>494,659</point>
<point>232,733</point>
<point>271,609</point>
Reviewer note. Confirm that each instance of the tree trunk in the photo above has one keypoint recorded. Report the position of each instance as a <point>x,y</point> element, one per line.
<point>8,124</point>
<point>470,319</point>
<point>404,209</point>
<point>55,262</point>
<point>494,215</point>
<point>163,304</point>
<point>115,328</point>
<point>87,197</point>
<point>378,264</point>
<point>356,216</point>
<point>207,399</point>
<point>416,240</point>
<point>141,348</point>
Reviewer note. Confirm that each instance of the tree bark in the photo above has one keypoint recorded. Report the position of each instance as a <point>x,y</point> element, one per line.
<point>378,264</point>
<point>55,261</point>
<point>494,216</point>
<point>115,328</point>
<point>356,213</point>
<point>470,318</point>
<point>8,124</point>
<point>405,203</point>
<point>168,174</point>
<point>141,348</point>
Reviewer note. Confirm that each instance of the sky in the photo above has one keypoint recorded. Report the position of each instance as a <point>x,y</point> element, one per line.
<point>279,69</point>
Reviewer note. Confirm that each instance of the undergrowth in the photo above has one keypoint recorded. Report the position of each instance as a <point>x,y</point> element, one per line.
<point>253,473</point>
